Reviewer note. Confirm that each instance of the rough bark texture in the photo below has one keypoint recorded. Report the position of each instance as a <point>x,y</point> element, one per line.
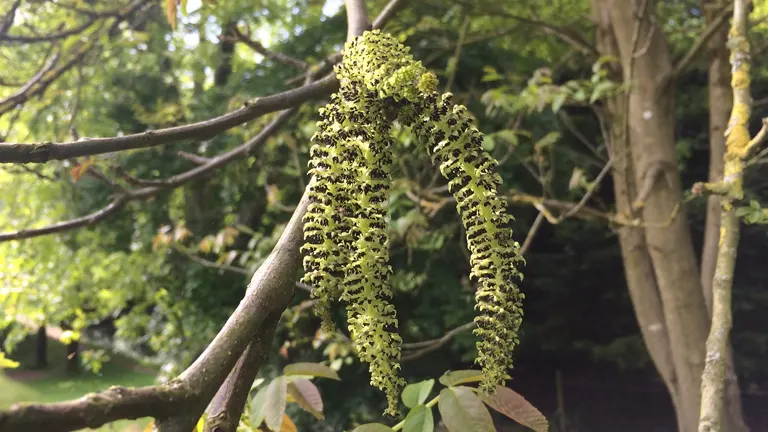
<point>660,264</point>
<point>738,146</point>
<point>720,100</point>
<point>227,406</point>
<point>638,269</point>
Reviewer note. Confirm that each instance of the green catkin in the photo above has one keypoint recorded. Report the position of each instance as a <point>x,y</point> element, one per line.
<point>455,146</point>
<point>346,254</point>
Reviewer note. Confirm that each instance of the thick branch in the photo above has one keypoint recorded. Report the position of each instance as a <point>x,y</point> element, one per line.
<point>357,18</point>
<point>44,152</point>
<point>270,291</point>
<point>227,406</point>
<point>97,409</point>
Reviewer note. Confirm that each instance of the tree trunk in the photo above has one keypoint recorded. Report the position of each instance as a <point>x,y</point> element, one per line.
<point>73,358</point>
<point>41,348</point>
<point>720,100</point>
<point>658,256</point>
<point>638,269</point>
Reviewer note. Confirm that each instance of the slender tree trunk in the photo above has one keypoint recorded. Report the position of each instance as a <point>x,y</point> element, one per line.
<point>41,348</point>
<point>638,269</point>
<point>720,100</point>
<point>73,358</point>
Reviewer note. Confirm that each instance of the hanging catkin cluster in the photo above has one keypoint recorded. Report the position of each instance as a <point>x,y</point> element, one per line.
<point>346,253</point>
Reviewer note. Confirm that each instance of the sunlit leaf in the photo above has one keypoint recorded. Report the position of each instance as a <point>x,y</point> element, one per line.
<point>463,411</point>
<point>69,336</point>
<point>257,382</point>
<point>311,369</point>
<point>6,363</point>
<point>372,427</point>
<point>559,100</point>
<point>513,405</point>
<point>452,378</point>
<point>417,393</point>
<point>419,419</point>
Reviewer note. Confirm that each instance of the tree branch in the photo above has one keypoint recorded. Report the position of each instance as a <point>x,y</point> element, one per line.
<point>653,173</point>
<point>119,13</point>
<point>97,409</point>
<point>157,187</point>
<point>566,36</point>
<point>50,64</point>
<point>210,264</point>
<point>272,55</point>
<point>426,347</point>
<point>8,19</point>
<point>701,42</point>
<point>47,151</point>
<point>87,220</point>
<point>227,405</point>
<point>357,18</point>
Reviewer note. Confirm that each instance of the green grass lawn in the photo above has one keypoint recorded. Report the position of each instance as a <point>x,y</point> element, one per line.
<point>53,384</point>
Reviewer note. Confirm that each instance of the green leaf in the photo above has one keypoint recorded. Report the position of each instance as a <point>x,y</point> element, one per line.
<point>274,405</point>
<point>558,101</point>
<point>513,405</point>
<point>256,408</point>
<point>547,141</point>
<point>257,382</point>
<point>419,420</point>
<point>311,369</point>
<point>490,74</point>
<point>307,396</point>
<point>417,393</point>
<point>373,427</point>
<point>463,411</point>
<point>600,90</point>
<point>452,378</point>
<point>509,136</point>
<point>488,143</point>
